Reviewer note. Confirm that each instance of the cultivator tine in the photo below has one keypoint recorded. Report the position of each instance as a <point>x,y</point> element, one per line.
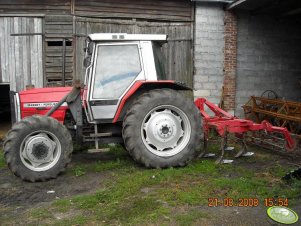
<point>204,153</point>
<point>226,147</point>
<point>227,161</point>
<point>229,148</point>
<point>244,149</point>
<point>221,157</point>
<point>248,154</point>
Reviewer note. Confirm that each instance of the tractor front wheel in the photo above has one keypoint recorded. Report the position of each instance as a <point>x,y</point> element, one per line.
<point>38,148</point>
<point>163,129</point>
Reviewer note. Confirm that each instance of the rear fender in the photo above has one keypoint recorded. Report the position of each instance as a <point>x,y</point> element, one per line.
<point>141,87</point>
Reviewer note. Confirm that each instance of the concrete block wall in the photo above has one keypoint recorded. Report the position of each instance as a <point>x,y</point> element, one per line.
<point>268,57</point>
<point>209,51</point>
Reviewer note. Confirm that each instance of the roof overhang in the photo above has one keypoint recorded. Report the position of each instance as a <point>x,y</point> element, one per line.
<point>279,8</point>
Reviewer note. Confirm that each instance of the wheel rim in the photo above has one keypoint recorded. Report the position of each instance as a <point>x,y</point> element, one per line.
<point>40,151</point>
<point>165,130</point>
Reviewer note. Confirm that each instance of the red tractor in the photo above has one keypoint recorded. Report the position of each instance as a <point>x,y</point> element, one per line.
<point>125,99</point>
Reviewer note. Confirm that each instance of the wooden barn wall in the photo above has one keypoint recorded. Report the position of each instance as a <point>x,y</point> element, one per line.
<point>177,52</point>
<point>70,19</point>
<point>168,10</point>
<point>35,6</point>
<point>21,55</point>
<point>57,28</point>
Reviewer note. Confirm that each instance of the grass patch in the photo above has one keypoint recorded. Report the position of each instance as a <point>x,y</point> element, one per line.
<point>2,160</point>
<point>134,195</point>
<point>40,213</point>
<point>190,217</point>
<point>79,171</point>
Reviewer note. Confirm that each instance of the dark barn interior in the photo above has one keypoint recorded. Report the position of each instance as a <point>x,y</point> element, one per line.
<point>268,49</point>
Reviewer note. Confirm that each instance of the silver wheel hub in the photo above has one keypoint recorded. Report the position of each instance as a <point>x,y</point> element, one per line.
<point>40,151</point>
<point>165,130</point>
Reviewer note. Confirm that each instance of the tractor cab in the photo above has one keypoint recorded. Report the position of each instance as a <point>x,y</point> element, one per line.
<point>114,63</point>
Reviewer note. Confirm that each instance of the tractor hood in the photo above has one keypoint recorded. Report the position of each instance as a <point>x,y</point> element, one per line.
<point>40,101</point>
<point>44,95</point>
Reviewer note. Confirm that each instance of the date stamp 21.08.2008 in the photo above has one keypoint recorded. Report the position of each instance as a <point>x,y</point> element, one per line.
<point>246,202</point>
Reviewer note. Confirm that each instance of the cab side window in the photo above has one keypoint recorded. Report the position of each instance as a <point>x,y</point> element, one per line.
<point>117,66</point>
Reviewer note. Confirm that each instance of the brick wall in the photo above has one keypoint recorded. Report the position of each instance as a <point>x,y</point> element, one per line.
<point>230,57</point>
<point>209,47</point>
<point>268,57</point>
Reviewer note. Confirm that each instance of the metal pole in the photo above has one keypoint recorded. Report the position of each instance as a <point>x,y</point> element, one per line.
<point>63,61</point>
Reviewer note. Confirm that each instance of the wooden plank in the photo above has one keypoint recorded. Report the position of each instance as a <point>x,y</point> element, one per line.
<point>59,65</point>
<point>58,75</point>
<point>61,22</point>
<point>28,22</point>
<point>134,9</point>
<point>6,64</point>
<point>138,5</point>
<point>58,59</point>
<point>57,54</point>
<point>18,64</point>
<point>2,58</point>
<point>11,43</point>
<point>40,52</point>
<point>145,3</point>
<point>130,15</point>
<point>156,9</point>
<point>26,77</point>
<point>35,6</point>
<point>33,2</point>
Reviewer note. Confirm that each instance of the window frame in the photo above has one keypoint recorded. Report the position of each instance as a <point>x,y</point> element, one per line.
<point>92,79</point>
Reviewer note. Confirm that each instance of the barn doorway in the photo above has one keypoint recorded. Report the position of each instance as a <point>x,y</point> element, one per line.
<point>5,113</point>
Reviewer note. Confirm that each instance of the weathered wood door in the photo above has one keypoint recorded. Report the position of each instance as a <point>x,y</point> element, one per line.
<point>21,51</point>
<point>177,52</point>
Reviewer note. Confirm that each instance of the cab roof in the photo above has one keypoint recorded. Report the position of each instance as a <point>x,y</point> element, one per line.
<point>127,37</point>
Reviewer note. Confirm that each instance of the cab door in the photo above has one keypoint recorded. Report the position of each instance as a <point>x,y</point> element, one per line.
<point>116,67</point>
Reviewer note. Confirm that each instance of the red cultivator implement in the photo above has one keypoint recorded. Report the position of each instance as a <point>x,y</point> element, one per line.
<point>224,123</point>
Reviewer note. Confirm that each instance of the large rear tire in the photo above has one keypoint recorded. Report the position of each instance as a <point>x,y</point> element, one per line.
<point>163,129</point>
<point>38,148</point>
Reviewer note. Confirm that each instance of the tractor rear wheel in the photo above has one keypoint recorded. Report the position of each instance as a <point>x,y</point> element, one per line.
<point>38,148</point>
<point>163,129</point>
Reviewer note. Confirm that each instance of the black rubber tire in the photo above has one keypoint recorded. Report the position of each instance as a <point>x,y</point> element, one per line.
<point>134,118</point>
<point>18,133</point>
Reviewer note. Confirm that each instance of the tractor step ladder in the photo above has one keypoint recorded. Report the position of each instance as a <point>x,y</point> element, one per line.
<point>97,135</point>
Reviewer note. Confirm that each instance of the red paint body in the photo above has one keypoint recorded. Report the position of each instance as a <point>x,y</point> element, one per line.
<point>132,90</point>
<point>55,94</point>
<point>43,95</point>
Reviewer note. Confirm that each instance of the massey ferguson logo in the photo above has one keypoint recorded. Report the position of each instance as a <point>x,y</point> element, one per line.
<point>39,105</point>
